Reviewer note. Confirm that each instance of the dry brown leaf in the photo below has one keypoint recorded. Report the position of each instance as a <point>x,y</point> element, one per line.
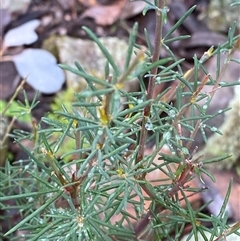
<point>132,8</point>
<point>88,3</point>
<point>105,15</point>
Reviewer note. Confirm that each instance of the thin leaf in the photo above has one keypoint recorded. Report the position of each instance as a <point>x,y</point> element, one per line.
<point>25,195</point>
<point>177,38</point>
<point>131,42</point>
<point>34,214</point>
<point>104,50</point>
<point>145,68</point>
<point>216,159</point>
<point>208,174</point>
<point>63,136</point>
<point>86,76</point>
<point>225,202</point>
<point>179,22</point>
<point>191,214</point>
<point>150,47</point>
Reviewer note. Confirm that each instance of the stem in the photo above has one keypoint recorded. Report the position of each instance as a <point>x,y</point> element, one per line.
<point>9,127</point>
<point>132,66</point>
<point>214,89</point>
<point>13,97</point>
<point>151,84</point>
<point>177,186</point>
<point>146,113</point>
<point>78,146</point>
<point>223,70</point>
<point>108,101</point>
<point>142,224</point>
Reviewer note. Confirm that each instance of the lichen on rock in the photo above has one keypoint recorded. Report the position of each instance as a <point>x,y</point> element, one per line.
<point>229,141</point>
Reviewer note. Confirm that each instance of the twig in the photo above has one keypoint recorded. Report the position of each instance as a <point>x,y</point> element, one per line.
<point>14,96</point>
<point>151,84</point>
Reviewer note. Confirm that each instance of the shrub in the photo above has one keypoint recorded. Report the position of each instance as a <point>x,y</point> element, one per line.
<point>101,194</point>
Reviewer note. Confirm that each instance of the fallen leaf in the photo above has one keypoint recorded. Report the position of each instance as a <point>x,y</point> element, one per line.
<point>21,35</point>
<point>88,3</point>
<point>41,69</point>
<point>129,9</point>
<point>105,15</point>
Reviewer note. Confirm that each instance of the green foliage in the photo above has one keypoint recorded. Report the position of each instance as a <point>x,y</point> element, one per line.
<point>101,193</point>
<point>67,97</point>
